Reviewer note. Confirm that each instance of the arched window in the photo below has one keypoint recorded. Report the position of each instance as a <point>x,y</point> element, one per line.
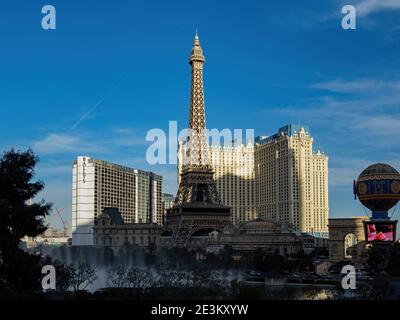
<point>350,240</point>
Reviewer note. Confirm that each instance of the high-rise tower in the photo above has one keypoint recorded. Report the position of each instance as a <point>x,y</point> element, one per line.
<point>198,206</point>
<point>197,179</point>
<point>198,155</point>
<point>291,180</point>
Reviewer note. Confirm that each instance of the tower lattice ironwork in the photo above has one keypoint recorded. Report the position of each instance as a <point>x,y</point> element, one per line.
<point>198,205</point>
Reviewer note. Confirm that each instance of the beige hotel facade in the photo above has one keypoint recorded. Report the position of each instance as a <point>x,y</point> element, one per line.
<point>291,182</point>
<point>277,178</point>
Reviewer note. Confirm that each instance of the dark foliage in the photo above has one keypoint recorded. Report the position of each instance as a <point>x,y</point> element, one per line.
<point>377,259</point>
<point>19,272</point>
<point>82,276</point>
<point>393,267</point>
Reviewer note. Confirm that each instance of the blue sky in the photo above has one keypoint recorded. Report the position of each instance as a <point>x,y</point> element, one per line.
<point>269,63</point>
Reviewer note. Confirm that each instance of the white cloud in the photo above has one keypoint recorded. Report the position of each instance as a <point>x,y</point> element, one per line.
<point>364,86</point>
<point>107,142</point>
<point>57,143</point>
<point>330,15</point>
<point>367,7</point>
<point>382,125</point>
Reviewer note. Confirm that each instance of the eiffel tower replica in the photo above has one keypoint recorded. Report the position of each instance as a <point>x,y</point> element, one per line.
<point>197,206</point>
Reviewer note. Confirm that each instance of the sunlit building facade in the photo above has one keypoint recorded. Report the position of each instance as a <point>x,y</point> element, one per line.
<point>98,185</point>
<point>291,182</point>
<point>278,178</point>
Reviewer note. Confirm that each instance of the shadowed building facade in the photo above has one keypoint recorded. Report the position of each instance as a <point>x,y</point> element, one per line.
<point>111,231</point>
<point>234,175</point>
<point>272,237</point>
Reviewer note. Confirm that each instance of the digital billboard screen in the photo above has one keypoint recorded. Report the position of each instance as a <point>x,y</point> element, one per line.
<point>380,231</point>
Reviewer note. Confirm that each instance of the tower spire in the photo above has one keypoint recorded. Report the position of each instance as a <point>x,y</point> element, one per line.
<point>197,51</point>
<point>198,149</point>
<point>198,205</point>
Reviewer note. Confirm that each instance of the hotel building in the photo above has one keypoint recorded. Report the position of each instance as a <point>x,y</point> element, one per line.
<point>291,182</point>
<point>98,185</point>
<point>234,175</point>
<point>277,178</point>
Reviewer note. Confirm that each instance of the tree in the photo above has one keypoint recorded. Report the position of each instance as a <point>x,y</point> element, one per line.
<point>19,271</point>
<point>63,274</point>
<point>377,259</point>
<point>171,278</point>
<point>117,277</point>
<point>201,278</point>
<point>139,279</point>
<point>82,276</point>
<point>393,267</point>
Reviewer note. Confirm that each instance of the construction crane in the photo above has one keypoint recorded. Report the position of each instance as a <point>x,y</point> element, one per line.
<point>59,212</point>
